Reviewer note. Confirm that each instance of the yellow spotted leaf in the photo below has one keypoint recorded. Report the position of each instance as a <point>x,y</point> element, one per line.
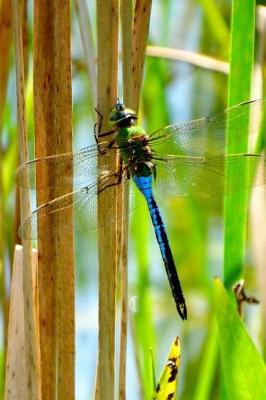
<point>166,387</point>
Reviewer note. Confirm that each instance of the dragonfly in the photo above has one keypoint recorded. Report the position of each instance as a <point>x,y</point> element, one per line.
<point>180,160</point>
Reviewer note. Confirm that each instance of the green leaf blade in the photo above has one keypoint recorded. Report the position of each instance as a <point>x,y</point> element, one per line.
<point>241,70</point>
<point>243,366</point>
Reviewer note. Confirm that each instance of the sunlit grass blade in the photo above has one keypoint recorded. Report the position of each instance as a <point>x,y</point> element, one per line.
<point>243,367</point>
<point>241,67</point>
<point>167,384</point>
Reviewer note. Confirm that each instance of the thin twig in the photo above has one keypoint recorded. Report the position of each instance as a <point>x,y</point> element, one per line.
<point>190,57</point>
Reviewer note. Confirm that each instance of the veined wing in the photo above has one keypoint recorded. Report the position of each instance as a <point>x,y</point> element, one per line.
<point>213,176</point>
<point>206,136</point>
<point>83,203</point>
<point>78,168</point>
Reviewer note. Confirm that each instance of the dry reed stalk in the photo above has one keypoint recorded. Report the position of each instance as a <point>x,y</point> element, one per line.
<point>5,42</point>
<point>30,319</point>
<point>5,45</point>
<point>141,22</point>
<point>107,30</point>
<point>16,377</point>
<point>53,135</point>
<point>88,45</point>
<point>135,30</point>
<point>126,16</point>
<point>190,57</point>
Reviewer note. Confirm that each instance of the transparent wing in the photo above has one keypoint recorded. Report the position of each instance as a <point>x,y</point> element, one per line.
<point>83,164</point>
<point>82,203</point>
<point>212,176</point>
<point>205,136</point>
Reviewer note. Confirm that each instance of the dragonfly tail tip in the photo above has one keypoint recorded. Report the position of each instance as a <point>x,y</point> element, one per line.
<point>182,311</point>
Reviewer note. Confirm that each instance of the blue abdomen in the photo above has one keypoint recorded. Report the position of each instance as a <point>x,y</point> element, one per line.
<point>144,184</point>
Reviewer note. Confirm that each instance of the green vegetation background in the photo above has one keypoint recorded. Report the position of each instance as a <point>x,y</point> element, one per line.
<point>172,91</point>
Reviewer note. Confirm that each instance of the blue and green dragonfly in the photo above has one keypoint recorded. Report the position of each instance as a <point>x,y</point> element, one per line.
<point>196,166</point>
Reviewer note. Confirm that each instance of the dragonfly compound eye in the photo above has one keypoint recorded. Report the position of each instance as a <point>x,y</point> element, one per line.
<point>120,115</point>
<point>120,107</point>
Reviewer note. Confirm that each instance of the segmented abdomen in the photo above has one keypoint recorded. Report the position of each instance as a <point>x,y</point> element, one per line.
<point>144,184</point>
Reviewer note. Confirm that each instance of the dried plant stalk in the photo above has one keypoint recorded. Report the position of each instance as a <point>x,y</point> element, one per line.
<point>31,326</point>
<point>107,28</point>
<point>53,135</point>
<point>134,42</point>
<point>16,377</point>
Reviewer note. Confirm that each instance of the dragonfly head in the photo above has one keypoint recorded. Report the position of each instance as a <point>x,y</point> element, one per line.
<point>122,117</point>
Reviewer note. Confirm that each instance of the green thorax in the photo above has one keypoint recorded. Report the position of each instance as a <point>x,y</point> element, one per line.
<point>126,135</point>
<point>135,150</point>
<point>132,140</point>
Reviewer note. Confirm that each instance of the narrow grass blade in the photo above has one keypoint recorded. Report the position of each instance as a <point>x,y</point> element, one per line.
<point>241,67</point>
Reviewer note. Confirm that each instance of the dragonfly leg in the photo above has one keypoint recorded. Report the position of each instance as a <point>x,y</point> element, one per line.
<point>110,184</point>
<point>117,175</point>
<point>100,122</point>
<point>98,134</point>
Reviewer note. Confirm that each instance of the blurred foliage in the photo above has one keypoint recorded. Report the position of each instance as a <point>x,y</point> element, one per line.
<point>171,91</point>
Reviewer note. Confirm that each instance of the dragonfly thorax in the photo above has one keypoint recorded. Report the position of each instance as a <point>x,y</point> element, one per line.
<point>139,156</point>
